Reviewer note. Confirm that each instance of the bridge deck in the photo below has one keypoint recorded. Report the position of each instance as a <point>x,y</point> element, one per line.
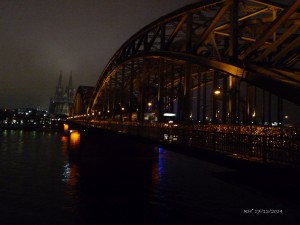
<point>279,145</point>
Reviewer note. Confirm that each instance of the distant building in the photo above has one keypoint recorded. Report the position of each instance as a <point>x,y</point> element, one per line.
<point>25,112</point>
<point>62,102</point>
<point>6,116</point>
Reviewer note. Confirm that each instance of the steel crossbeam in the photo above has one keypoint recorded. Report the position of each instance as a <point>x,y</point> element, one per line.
<point>207,61</point>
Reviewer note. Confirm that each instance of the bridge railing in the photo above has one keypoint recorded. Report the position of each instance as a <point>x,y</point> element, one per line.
<point>259,143</point>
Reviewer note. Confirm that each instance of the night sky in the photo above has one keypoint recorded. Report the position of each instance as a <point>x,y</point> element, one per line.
<point>40,38</point>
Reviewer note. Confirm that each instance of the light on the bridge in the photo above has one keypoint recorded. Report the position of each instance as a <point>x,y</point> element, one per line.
<point>149,104</point>
<point>286,117</point>
<point>217,92</point>
<point>122,108</point>
<point>169,114</point>
<point>108,111</point>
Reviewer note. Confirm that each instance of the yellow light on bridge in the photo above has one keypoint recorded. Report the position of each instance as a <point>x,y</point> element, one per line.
<point>217,92</point>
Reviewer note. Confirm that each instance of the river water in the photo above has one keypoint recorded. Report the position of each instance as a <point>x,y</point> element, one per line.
<point>47,178</point>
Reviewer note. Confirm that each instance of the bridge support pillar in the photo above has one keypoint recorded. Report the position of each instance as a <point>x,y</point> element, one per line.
<point>160,94</point>
<point>204,78</point>
<point>122,93</point>
<point>224,101</point>
<point>234,58</point>
<point>232,99</point>
<point>131,92</point>
<point>171,103</point>
<point>198,97</point>
<point>187,112</point>
<point>215,94</point>
<point>143,88</point>
<point>280,111</point>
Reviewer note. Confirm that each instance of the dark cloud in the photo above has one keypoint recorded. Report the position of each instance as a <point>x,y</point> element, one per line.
<point>40,38</point>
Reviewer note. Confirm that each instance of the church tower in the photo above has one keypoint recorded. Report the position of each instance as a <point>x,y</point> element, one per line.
<point>59,88</point>
<point>70,90</point>
<point>62,102</point>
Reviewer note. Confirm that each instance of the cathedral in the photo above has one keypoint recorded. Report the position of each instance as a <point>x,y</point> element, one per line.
<point>62,102</point>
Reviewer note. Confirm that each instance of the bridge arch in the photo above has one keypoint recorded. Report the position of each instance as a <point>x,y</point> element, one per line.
<point>245,51</point>
<point>82,97</point>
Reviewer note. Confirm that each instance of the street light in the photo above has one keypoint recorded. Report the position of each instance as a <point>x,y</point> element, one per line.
<point>217,92</point>
<point>149,106</point>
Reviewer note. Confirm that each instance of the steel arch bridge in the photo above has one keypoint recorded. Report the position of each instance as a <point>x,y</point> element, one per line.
<point>212,62</point>
<point>82,99</point>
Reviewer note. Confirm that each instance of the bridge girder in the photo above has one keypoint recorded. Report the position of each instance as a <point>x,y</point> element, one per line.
<point>82,99</point>
<point>252,41</point>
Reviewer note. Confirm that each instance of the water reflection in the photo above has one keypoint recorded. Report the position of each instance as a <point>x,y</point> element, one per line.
<point>64,144</point>
<point>74,140</point>
<point>114,185</point>
<point>66,127</point>
<point>64,139</point>
<point>70,170</point>
<point>66,172</point>
<point>158,167</point>
<point>70,173</point>
<point>70,141</point>
<point>114,180</point>
<point>32,166</point>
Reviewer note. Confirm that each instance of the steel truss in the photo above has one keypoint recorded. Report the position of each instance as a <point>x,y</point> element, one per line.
<point>224,61</point>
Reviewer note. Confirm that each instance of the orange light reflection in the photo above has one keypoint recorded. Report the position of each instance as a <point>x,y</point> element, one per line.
<point>74,139</point>
<point>66,127</point>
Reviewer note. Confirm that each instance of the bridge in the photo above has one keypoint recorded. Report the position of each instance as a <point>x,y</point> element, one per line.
<point>213,75</point>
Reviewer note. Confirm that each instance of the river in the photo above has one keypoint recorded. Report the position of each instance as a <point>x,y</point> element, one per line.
<point>47,178</point>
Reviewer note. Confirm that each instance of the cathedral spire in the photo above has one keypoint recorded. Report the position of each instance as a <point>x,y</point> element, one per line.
<point>59,87</point>
<point>60,80</point>
<point>70,89</point>
<point>70,81</point>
